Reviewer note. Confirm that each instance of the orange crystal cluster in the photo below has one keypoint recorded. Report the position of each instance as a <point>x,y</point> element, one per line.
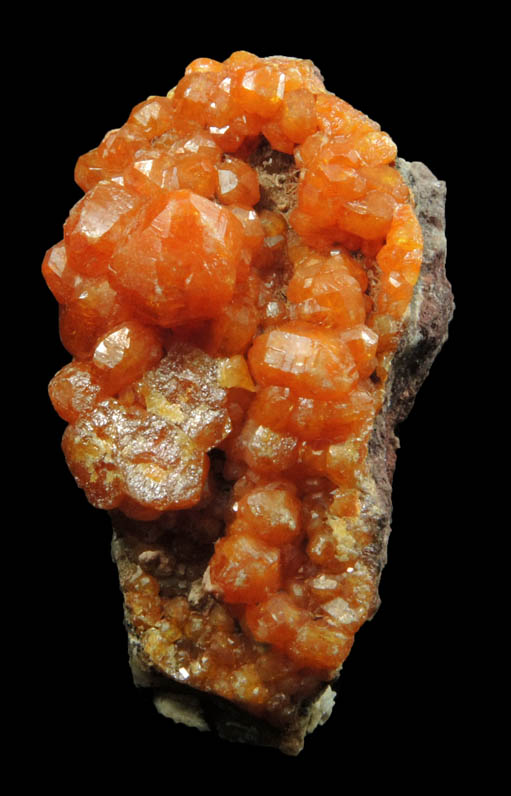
<point>201,319</point>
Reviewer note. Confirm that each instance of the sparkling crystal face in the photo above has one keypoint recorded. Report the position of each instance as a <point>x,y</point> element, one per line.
<point>231,325</point>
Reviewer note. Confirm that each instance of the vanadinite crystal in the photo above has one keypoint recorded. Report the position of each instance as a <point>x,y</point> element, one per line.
<point>231,340</point>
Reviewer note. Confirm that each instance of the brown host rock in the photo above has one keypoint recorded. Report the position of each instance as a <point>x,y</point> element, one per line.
<point>253,290</point>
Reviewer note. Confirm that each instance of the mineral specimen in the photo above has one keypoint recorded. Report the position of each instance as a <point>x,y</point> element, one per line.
<point>243,287</point>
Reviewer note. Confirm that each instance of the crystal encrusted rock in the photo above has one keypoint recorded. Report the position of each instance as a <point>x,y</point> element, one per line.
<point>242,288</point>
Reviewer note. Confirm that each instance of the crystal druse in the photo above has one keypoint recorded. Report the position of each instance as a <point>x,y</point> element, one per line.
<point>239,287</point>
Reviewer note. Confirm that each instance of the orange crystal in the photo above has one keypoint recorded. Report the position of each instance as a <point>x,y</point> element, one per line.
<point>179,261</point>
<point>229,361</point>
<point>313,362</point>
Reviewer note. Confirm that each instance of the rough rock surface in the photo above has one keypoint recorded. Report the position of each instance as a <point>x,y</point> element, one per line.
<point>426,331</point>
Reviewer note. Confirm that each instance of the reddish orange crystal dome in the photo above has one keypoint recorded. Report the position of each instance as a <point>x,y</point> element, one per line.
<point>230,339</point>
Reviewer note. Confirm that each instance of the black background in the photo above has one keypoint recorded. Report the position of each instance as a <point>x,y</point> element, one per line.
<point>401,697</point>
